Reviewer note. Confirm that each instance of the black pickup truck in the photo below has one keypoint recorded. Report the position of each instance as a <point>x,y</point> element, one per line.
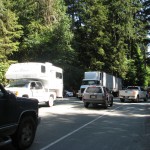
<point>18,119</point>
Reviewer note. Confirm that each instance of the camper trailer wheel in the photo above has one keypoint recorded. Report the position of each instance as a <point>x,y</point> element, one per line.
<point>51,101</point>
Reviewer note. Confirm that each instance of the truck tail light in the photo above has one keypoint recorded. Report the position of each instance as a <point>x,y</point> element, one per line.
<point>16,93</point>
<point>134,92</point>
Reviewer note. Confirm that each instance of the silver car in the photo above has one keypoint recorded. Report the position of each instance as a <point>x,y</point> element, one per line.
<point>97,95</point>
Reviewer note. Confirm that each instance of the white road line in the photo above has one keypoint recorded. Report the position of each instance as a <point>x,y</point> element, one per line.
<point>67,135</point>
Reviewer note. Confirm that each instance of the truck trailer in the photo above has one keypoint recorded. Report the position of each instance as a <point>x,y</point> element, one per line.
<point>109,81</point>
<point>42,81</point>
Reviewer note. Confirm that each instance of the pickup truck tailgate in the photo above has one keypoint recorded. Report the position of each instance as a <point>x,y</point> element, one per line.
<point>127,92</point>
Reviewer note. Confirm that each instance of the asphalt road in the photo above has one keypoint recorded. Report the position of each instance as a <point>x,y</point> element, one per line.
<point>68,125</point>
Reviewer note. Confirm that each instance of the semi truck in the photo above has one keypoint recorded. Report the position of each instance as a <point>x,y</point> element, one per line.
<point>109,81</point>
<point>42,81</point>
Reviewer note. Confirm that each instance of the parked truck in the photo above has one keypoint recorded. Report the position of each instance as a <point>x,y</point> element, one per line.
<point>19,118</point>
<point>133,93</point>
<point>113,83</point>
<point>42,81</point>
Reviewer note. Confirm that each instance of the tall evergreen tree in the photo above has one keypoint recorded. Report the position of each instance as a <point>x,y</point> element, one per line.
<point>10,32</point>
<point>107,34</point>
<point>47,34</point>
<point>89,19</point>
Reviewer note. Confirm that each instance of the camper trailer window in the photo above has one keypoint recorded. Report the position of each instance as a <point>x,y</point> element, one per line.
<point>38,85</point>
<point>32,85</point>
<point>58,75</point>
<point>43,69</point>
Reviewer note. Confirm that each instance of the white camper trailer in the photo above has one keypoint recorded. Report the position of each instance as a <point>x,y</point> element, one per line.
<point>42,81</point>
<point>113,83</point>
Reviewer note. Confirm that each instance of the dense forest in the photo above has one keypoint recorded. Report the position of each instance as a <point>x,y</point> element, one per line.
<point>79,36</point>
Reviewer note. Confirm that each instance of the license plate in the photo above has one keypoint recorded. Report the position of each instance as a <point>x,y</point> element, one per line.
<point>93,96</point>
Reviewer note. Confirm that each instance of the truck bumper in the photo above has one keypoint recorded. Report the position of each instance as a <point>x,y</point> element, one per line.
<point>127,97</point>
<point>102,101</point>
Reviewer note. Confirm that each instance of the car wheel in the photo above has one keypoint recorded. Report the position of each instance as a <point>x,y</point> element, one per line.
<point>122,100</point>
<point>145,99</point>
<point>137,99</point>
<point>106,104</point>
<point>66,95</point>
<point>51,101</point>
<point>86,104</point>
<point>111,102</point>
<point>80,98</point>
<point>24,136</point>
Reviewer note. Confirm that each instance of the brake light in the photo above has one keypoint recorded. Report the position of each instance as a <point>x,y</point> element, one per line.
<point>16,93</point>
<point>134,92</point>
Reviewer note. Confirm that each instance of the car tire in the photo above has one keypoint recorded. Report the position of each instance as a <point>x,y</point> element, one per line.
<point>122,100</point>
<point>24,136</point>
<point>66,95</point>
<point>111,102</point>
<point>86,104</point>
<point>146,99</point>
<point>51,101</point>
<point>137,99</point>
<point>106,104</point>
<point>80,98</point>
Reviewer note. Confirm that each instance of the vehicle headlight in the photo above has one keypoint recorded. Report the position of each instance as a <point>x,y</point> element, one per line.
<point>16,93</point>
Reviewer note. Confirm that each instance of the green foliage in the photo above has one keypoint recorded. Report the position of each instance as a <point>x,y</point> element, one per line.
<point>3,68</point>
<point>107,35</point>
<point>136,70</point>
<point>47,35</point>
<point>10,31</point>
<point>147,80</point>
<point>131,73</point>
<point>89,33</point>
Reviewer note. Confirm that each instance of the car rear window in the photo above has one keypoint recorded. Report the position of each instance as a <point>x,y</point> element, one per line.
<point>94,90</point>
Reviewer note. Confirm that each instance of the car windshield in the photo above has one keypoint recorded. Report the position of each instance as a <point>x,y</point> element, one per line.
<point>90,82</point>
<point>18,84</point>
<point>94,90</point>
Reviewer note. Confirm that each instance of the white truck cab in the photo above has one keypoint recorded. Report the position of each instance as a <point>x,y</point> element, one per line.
<point>42,81</point>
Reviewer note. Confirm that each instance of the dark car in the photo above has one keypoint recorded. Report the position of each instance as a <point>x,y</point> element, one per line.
<point>97,95</point>
<point>18,119</point>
